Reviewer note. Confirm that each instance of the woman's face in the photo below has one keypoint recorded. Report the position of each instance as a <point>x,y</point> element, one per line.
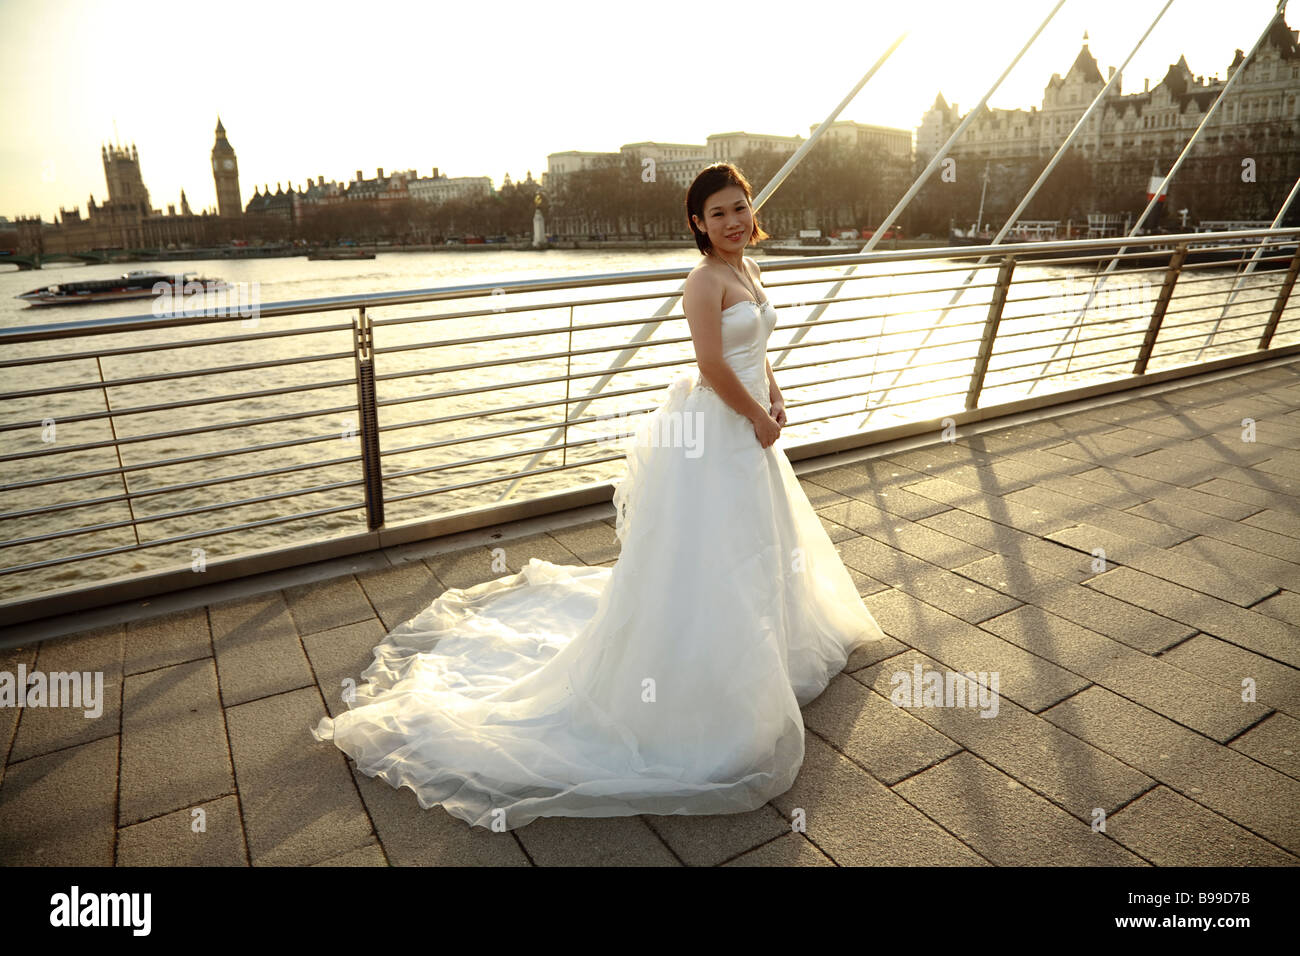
<point>728,220</point>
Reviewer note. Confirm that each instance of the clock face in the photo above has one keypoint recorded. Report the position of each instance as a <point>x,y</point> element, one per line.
<point>229,164</point>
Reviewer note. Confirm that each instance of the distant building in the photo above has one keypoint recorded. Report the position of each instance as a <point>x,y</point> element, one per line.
<point>126,220</point>
<point>866,138</point>
<point>1156,121</point>
<point>225,172</point>
<point>436,189</point>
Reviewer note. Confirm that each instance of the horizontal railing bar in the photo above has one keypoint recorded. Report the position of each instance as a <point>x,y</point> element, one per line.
<point>1122,348</point>
<point>146,545</point>
<point>216,399</point>
<point>186,459</point>
<point>1217,345</point>
<point>195,430</point>
<point>1074,371</point>
<point>134,496</point>
<point>876,408</point>
<point>478,482</point>
<point>1212,306</point>
<point>169,515</point>
<point>123,470</point>
<point>172,376</point>
<point>164,346</point>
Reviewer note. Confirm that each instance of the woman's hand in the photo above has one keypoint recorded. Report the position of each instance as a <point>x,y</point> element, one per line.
<point>766,429</point>
<point>778,411</point>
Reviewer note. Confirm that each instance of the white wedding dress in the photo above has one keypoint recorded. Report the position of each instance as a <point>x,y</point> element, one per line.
<point>670,683</point>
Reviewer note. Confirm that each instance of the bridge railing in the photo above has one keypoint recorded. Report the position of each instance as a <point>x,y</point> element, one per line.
<point>151,453</point>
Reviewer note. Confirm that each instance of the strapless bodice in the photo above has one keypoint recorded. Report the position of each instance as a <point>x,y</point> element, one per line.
<point>746,327</point>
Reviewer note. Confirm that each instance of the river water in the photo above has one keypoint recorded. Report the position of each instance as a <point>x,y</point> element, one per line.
<point>856,380</point>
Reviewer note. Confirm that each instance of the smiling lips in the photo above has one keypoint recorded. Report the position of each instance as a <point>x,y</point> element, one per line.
<point>734,236</point>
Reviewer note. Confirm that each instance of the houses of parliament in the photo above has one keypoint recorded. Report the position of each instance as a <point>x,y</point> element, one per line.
<point>127,219</point>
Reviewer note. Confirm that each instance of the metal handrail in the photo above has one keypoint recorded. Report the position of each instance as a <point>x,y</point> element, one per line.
<point>502,431</point>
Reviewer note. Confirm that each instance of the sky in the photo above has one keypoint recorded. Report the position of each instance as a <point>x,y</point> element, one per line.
<point>485,89</point>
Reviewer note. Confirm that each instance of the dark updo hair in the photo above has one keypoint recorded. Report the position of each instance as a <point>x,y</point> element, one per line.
<point>710,180</point>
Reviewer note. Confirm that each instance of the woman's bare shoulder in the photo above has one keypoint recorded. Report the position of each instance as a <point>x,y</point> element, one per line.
<point>752,266</point>
<point>704,284</point>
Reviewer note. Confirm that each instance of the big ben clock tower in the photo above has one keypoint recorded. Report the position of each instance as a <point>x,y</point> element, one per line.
<point>225,170</point>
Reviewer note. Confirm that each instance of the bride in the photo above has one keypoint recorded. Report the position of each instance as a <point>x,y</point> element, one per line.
<point>672,682</point>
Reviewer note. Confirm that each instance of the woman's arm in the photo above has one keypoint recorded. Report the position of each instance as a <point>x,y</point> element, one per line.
<point>774,396</point>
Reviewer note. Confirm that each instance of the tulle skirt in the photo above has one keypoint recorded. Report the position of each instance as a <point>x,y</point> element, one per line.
<point>670,683</point>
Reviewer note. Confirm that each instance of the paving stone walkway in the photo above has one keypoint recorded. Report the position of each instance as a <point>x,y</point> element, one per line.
<point>1131,572</point>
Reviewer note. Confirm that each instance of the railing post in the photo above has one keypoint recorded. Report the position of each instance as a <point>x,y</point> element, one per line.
<point>990,330</point>
<point>363,353</point>
<point>1158,313</point>
<point>1283,294</point>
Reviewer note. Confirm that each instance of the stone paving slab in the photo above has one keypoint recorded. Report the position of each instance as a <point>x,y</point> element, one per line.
<point>993,508</point>
<point>1187,571</point>
<point>1284,605</point>
<point>1275,742</point>
<point>791,850</point>
<point>300,804</point>
<point>993,538</point>
<point>1065,769</point>
<point>174,748</point>
<point>1267,569</point>
<point>1234,532</point>
<point>400,592</point>
<point>1249,494</point>
<point>1031,680</point>
<point>712,840</point>
<point>1275,685</point>
<point>324,604</point>
<point>1127,623</point>
<point>168,639</point>
<point>1167,829</point>
<point>594,841</point>
<point>1276,521</point>
<point>212,836</point>
<point>1189,471</point>
<point>1264,635</point>
<point>963,597</point>
<point>1155,683</point>
<point>257,648</point>
<point>464,568</point>
<point>857,821</point>
<point>1078,511</point>
<point>85,668</point>
<point>414,836</point>
<point>372,854</point>
<point>880,484</point>
<point>1200,497</point>
<point>1006,823</point>
<point>919,540</point>
<point>884,740</point>
<point>1245,791</point>
<point>58,809</point>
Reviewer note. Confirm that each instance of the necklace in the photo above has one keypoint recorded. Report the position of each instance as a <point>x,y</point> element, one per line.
<point>748,282</point>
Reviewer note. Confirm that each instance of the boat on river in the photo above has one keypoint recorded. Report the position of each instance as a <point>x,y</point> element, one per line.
<point>138,284</point>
